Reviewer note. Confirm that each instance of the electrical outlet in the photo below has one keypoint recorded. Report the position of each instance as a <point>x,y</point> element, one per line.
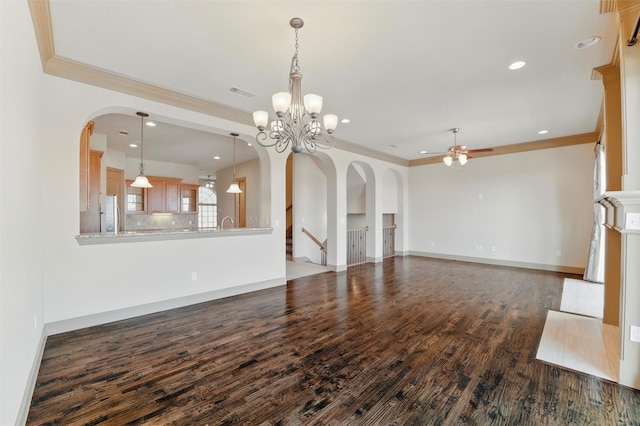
<point>194,276</point>
<point>493,248</point>
<point>558,253</point>
<point>635,334</point>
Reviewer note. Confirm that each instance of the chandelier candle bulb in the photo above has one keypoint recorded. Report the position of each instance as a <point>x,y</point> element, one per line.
<point>281,102</point>
<point>313,104</point>
<point>330,122</point>
<point>261,118</point>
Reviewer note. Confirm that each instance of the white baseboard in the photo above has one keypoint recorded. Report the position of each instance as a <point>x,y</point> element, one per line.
<point>71,324</point>
<point>337,268</point>
<point>23,412</point>
<point>499,262</point>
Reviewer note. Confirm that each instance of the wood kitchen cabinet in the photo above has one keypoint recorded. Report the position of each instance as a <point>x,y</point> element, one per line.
<point>136,199</point>
<point>189,198</point>
<point>85,147</point>
<point>164,197</point>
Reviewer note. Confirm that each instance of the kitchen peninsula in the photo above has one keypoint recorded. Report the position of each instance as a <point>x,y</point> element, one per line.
<point>168,234</point>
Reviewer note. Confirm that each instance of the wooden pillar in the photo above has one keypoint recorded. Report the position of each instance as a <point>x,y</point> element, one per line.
<point>612,143</point>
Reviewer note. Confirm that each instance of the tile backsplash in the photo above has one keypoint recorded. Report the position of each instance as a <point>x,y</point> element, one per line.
<point>144,222</point>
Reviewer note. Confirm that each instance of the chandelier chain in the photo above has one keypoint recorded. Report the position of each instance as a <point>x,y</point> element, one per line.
<point>294,61</point>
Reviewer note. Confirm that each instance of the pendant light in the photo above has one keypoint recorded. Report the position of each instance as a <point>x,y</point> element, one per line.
<point>141,181</point>
<point>234,188</point>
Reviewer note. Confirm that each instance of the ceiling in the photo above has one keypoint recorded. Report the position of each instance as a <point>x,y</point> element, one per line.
<point>403,72</point>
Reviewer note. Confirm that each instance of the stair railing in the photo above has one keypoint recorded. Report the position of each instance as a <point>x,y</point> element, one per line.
<point>323,247</point>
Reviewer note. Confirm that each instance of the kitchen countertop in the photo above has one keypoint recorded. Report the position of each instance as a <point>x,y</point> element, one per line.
<point>166,234</point>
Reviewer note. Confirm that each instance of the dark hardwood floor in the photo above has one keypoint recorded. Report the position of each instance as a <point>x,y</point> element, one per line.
<point>410,341</point>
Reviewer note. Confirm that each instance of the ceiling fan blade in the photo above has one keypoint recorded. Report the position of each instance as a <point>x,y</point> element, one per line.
<point>480,150</point>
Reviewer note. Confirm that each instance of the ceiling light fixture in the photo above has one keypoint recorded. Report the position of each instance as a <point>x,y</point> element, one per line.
<point>151,124</point>
<point>456,152</point>
<point>209,183</point>
<point>297,123</point>
<point>234,188</point>
<point>587,42</point>
<point>141,181</point>
<point>517,65</point>
<point>543,132</point>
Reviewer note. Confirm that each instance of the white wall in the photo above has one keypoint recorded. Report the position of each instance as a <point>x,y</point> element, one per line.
<point>356,190</point>
<point>529,206</point>
<point>250,171</point>
<point>22,141</point>
<point>309,206</point>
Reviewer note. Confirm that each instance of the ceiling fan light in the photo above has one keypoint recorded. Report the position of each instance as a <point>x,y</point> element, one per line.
<point>462,158</point>
<point>447,161</point>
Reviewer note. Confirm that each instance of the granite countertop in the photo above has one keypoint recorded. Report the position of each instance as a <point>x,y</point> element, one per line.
<point>166,234</point>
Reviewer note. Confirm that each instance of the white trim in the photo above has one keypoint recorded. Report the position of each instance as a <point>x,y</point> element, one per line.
<point>71,324</point>
<point>25,405</point>
<point>498,262</point>
<point>337,268</point>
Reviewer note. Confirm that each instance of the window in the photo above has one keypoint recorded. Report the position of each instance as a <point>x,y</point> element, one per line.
<point>207,208</point>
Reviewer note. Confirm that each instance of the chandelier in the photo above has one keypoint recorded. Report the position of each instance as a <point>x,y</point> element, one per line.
<point>297,123</point>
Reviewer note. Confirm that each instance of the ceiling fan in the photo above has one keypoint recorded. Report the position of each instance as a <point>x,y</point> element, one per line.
<point>459,153</point>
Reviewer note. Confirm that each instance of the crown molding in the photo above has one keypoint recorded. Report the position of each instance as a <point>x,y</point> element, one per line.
<point>55,65</point>
<point>579,139</point>
<point>41,17</point>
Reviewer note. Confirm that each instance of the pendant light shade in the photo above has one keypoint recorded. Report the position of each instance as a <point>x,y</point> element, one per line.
<point>234,188</point>
<point>141,181</point>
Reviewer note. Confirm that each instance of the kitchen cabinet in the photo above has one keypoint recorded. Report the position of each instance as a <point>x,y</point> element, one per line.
<point>164,197</point>
<point>90,218</point>
<point>135,199</point>
<point>85,158</point>
<point>189,198</point>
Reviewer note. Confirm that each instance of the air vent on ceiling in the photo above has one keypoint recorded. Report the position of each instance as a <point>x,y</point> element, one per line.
<point>241,92</point>
<point>122,133</point>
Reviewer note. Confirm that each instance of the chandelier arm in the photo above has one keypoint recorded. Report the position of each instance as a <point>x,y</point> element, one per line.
<point>262,138</point>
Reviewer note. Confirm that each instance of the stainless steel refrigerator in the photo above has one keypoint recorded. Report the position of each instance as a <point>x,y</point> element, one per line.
<point>111,214</point>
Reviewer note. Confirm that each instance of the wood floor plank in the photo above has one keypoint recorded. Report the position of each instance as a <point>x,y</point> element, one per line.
<point>411,341</point>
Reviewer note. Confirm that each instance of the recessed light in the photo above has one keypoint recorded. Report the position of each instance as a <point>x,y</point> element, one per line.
<point>249,144</point>
<point>216,158</point>
<point>517,65</point>
<point>150,124</point>
<point>345,121</point>
<point>587,42</point>
<point>543,132</point>
<point>133,145</point>
<point>423,152</point>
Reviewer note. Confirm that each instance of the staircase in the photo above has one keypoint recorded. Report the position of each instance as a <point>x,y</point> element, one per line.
<point>289,239</point>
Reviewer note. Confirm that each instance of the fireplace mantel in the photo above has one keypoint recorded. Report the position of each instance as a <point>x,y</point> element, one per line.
<point>623,210</point>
